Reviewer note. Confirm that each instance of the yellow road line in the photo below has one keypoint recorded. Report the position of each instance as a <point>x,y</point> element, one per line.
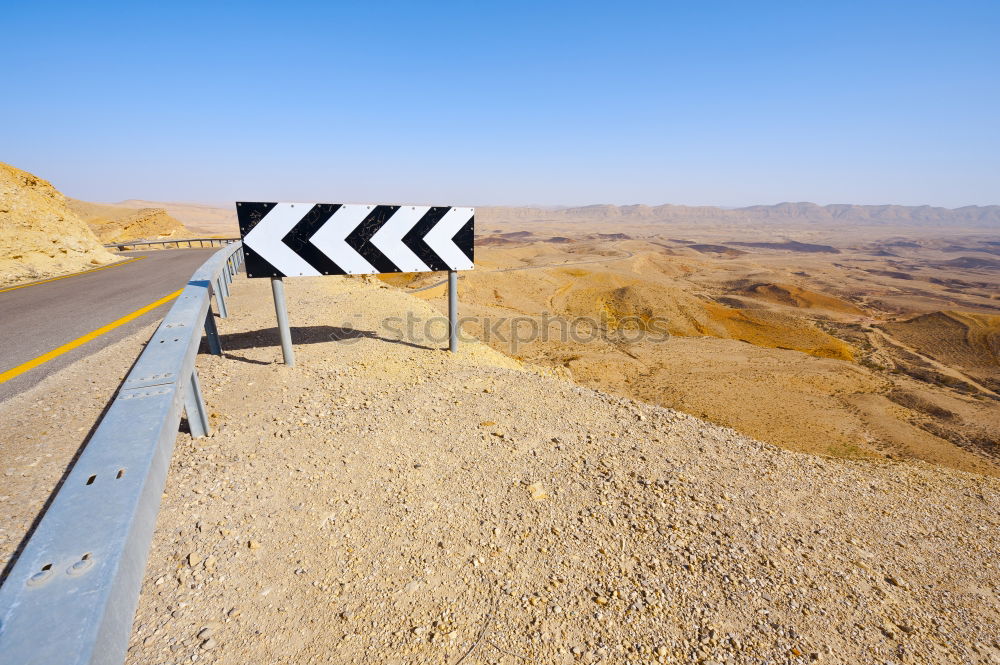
<point>80,341</point>
<point>82,272</point>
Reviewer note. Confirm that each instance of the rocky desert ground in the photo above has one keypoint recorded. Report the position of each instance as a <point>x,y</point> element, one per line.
<point>386,501</point>
<point>774,441</point>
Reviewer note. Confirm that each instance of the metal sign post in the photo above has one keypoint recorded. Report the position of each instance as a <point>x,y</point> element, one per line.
<point>281,309</point>
<point>453,311</point>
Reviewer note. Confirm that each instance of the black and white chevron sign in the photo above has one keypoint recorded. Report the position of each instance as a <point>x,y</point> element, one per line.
<point>302,239</point>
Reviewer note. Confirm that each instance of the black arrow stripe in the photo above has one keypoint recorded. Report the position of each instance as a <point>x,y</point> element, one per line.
<point>249,215</point>
<point>414,238</point>
<point>360,238</point>
<point>465,239</point>
<point>258,266</point>
<point>298,238</point>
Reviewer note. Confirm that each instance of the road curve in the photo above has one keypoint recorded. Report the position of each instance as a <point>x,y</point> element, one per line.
<point>39,318</point>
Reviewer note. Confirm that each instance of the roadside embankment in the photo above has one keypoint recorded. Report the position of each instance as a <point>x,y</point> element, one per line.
<point>385,501</point>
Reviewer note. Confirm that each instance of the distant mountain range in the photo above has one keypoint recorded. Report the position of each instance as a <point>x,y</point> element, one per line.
<point>978,217</point>
<point>211,219</point>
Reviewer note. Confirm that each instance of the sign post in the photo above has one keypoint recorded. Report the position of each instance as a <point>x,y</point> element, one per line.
<point>312,239</point>
<point>453,311</point>
<point>281,311</point>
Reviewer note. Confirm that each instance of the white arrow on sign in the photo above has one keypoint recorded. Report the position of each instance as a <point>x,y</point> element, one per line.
<point>389,238</point>
<point>331,239</point>
<point>266,239</point>
<point>439,238</point>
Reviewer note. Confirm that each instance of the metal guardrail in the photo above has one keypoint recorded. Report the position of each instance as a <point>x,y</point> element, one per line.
<point>71,596</point>
<point>212,242</point>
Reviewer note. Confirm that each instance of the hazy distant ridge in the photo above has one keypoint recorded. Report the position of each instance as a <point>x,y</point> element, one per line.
<point>203,218</point>
<point>985,217</point>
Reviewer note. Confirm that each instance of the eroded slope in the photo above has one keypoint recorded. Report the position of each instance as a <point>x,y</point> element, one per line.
<point>384,501</point>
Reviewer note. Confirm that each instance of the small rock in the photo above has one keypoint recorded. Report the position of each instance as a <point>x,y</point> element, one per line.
<point>253,544</point>
<point>209,644</point>
<point>538,492</point>
<point>895,581</point>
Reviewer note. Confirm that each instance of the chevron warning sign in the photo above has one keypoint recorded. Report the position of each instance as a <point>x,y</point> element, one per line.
<point>303,239</point>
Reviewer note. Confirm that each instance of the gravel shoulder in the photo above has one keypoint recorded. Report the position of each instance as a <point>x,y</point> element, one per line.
<point>387,502</point>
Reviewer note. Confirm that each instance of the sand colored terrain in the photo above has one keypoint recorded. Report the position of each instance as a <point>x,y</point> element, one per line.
<point>793,296</point>
<point>742,295</point>
<point>40,236</point>
<point>970,342</point>
<point>855,342</point>
<point>119,224</point>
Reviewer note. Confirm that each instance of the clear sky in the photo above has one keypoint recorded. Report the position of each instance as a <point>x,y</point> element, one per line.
<point>697,102</point>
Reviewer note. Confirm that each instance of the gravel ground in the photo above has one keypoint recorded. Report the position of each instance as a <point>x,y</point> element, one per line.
<point>386,502</point>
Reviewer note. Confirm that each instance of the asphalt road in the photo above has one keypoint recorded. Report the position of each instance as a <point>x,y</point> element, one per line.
<point>40,318</point>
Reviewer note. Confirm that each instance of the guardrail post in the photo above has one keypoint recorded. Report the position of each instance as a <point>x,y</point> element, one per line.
<point>220,297</point>
<point>194,407</point>
<point>453,311</point>
<point>281,310</point>
<point>212,334</point>
<point>223,279</point>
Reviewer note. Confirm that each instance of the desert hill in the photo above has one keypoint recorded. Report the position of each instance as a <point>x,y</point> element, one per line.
<point>118,224</point>
<point>201,219</point>
<point>40,235</point>
<point>970,342</point>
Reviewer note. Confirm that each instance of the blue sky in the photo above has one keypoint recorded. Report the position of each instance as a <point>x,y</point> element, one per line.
<point>700,102</point>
